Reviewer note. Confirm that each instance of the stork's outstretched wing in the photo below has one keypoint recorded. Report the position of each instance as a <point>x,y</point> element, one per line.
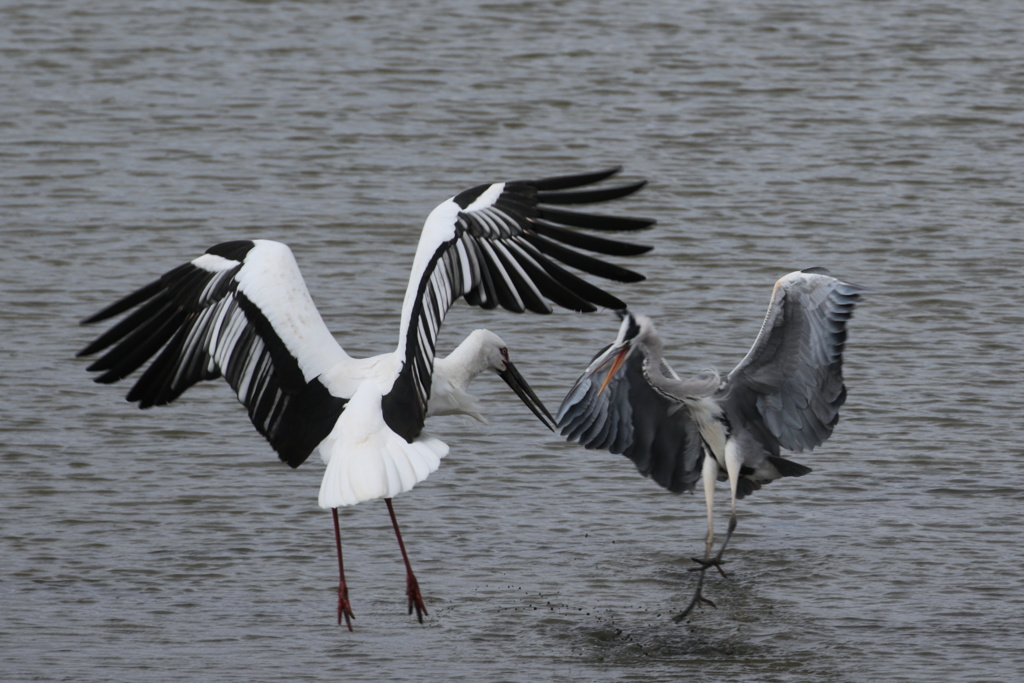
<point>503,245</point>
<point>790,383</point>
<point>240,310</point>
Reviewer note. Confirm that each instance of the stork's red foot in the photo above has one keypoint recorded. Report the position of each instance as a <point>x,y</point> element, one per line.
<point>344,608</point>
<point>412,591</point>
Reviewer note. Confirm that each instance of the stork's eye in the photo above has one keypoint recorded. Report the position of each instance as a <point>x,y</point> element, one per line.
<point>504,353</point>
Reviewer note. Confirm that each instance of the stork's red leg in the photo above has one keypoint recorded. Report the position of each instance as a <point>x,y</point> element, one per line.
<point>412,587</point>
<point>344,609</point>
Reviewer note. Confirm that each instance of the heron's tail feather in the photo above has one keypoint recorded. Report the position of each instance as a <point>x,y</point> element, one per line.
<point>788,468</point>
<point>745,486</point>
<point>775,467</point>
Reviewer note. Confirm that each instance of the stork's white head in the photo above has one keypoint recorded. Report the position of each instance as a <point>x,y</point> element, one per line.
<point>484,350</point>
<point>488,350</point>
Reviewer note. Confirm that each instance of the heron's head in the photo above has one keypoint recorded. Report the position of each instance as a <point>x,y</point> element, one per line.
<point>633,331</point>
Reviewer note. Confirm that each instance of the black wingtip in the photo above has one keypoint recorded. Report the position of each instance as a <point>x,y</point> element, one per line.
<point>577,180</point>
<point>589,196</point>
<point>132,300</point>
<point>87,351</point>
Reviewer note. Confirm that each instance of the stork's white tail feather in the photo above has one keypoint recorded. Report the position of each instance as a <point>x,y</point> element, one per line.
<point>381,469</point>
<point>366,460</point>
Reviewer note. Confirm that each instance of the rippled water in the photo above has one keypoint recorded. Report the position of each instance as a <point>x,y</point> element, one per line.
<point>882,140</point>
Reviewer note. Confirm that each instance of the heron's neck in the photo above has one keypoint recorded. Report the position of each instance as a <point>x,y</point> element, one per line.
<point>666,382</point>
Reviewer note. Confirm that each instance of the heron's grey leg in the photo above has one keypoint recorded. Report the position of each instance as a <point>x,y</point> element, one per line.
<point>732,466</point>
<point>412,586</point>
<point>710,475</point>
<point>344,608</point>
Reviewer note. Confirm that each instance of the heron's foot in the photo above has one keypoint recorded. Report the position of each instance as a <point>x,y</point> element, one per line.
<point>704,563</point>
<point>697,598</point>
<point>344,608</point>
<point>412,591</point>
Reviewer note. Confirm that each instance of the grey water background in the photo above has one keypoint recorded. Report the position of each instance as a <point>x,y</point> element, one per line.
<point>883,140</point>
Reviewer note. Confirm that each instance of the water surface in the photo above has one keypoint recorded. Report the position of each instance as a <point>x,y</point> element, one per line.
<point>881,140</point>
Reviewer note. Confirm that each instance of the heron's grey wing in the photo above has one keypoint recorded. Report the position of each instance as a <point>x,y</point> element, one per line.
<point>630,418</point>
<point>789,387</point>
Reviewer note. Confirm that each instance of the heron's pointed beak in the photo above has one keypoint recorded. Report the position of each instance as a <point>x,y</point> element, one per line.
<point>620,358</point>
<point>524,392</point>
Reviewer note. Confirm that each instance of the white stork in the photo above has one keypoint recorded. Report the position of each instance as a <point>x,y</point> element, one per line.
<point>242,311</point>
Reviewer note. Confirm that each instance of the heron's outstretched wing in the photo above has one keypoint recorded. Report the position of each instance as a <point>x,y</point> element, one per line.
<point>504,244</point>
<point>789,387</point>
<point>240,310</point>
<point>629,417</point>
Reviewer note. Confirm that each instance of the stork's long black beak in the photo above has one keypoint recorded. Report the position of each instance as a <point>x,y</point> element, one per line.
<point>524,392</point>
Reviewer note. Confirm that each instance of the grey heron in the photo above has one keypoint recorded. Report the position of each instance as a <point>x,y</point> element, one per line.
<point>785,393</point>
<point>242,311</point>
